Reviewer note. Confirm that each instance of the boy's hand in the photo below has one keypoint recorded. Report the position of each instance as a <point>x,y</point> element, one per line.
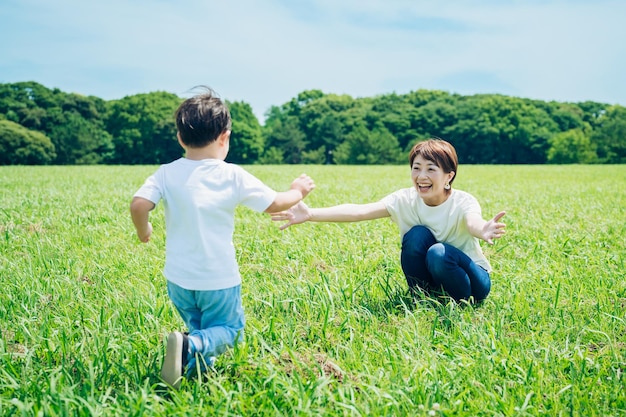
<point>297,214</point>
<point>304,184</point>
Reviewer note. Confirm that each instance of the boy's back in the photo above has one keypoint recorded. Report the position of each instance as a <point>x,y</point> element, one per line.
<point>199,199</point>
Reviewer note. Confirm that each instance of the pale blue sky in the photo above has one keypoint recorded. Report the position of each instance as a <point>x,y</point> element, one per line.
<point>266,52</point>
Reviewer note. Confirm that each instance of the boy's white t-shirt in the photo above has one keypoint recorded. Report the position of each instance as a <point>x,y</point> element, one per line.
<point>199,199</point>
<point>446,221</point>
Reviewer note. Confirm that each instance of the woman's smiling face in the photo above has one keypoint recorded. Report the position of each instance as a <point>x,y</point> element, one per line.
<point>430,181</point>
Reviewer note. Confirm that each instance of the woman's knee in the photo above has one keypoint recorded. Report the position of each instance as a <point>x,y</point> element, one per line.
<point>418,238</point>
<point>436,257</point>
<point>481,290</point>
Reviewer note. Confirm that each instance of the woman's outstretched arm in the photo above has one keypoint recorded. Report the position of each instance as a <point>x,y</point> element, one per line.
<point>486,230</point>
<point>301,213</point>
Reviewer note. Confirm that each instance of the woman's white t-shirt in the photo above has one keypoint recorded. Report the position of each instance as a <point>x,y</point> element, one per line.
<point>199,199</point>
<point>446,221</point>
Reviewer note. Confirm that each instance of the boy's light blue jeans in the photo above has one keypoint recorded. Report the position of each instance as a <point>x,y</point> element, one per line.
<point>429,264</point>
<point>216,317</point>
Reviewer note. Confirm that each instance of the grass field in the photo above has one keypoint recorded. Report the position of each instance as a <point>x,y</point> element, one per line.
<point>331,329</point>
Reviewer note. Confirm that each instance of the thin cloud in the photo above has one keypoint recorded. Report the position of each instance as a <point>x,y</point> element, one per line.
<point>265,53</point>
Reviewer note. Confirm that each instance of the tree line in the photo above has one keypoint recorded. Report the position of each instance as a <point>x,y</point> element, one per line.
<point>39,125</point>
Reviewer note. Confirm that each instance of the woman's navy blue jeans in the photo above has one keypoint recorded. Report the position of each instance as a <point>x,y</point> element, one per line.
<point>429,265</point>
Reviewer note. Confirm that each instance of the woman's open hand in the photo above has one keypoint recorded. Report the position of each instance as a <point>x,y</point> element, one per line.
<point>297,214</point>
<point>493,229</point>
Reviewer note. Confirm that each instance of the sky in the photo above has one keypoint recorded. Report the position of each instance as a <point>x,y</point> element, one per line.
<point>266,52</point>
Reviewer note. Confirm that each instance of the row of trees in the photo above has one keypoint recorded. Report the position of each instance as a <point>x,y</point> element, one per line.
<point>48,126</point>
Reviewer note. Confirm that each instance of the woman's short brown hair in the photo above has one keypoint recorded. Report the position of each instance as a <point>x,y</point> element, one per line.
<point>439,151</point>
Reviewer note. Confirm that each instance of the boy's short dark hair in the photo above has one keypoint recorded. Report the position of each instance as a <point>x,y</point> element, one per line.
<point>202,118</point>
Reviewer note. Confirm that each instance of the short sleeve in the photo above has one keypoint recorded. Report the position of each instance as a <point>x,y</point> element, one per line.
<point>151,189</point>
<point>253,193</point>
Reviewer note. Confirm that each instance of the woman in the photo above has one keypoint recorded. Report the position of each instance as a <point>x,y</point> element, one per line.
<point>440,226</point>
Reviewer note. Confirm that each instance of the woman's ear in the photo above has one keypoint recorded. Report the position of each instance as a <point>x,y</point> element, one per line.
<point>451,175</point>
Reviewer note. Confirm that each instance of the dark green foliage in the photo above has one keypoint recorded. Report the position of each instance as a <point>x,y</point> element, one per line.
<point>610,135</point>
<point>21,146</point>
<point>286,137</point>
<point>143,128</point>
<point>323,121</point>
<point>246,139</point>
<point>74,123</point>
<point>369,147</point>
<point>572,146</point>
<point>319,128</point>
<point>501,130</point>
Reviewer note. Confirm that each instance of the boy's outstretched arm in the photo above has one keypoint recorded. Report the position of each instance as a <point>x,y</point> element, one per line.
<point>300,188</point>
<point>140,212</point>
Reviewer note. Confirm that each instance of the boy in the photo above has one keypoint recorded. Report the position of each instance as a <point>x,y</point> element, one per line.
<point>200,193</point>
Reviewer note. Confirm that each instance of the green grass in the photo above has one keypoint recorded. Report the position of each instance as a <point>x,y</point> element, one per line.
<point>331,329</point>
